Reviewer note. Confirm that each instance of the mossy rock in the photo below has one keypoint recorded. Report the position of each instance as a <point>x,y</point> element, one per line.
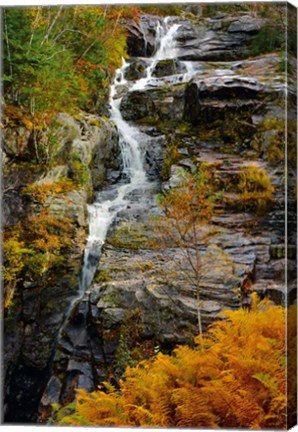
<point>127,237</point>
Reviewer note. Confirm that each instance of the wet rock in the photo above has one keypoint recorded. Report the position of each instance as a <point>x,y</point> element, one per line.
<point>210,98</point>
<point>136,105</point>
<point>113,175</point>
<point>141,35</point>
<point>135,70</point>
<point>52,392</point>
<point>168,67</point>
<point>164,104</point>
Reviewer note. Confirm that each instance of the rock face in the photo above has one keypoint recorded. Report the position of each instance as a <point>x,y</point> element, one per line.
<point>207,99</point>
<point>219,39</point>
<point>164,104</point>
<point>141,41</point>
<point>87,146</point>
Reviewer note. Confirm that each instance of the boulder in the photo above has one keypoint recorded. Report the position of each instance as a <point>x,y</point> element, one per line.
<point>136,105</point>
<point>209,98</point>
<point>73,206</point>
<point>164,104</point>
<point>168,67</point>
<point>246,24</point>
<point>135,70</point>
<point>16,142</point>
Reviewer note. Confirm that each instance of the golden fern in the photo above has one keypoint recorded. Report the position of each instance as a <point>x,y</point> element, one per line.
<point>234,378</point>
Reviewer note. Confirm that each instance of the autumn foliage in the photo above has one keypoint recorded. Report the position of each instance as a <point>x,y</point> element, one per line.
<point>33,247</point>
<point>234,378</point>
<point>185,209</point>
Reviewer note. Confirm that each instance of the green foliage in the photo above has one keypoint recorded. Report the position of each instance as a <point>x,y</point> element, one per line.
<point>270,139</point>
<point>132,346</point>
<point>269,39</point>
<point>212,9</point>
<point>79,172</point>
<point>59,58</point>
<point>102,276</point>
<point>161,9</point>
<point>227,381</point>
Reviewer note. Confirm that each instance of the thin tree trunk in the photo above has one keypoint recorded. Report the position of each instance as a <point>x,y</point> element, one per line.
<point>34,28</point>
<point>117,21</point>
<point>8,47</point>
<point>198,269</point>
<point>52,25</point>
<point>32,110</point>
<point>199,313</point>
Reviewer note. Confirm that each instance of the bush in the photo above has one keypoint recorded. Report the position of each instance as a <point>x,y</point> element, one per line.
<point>269,39</point>
<point>255,188</point>
<point>228,381</point>
<point>32,248</point>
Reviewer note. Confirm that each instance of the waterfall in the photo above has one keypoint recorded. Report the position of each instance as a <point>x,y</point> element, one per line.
<point>103,211</point>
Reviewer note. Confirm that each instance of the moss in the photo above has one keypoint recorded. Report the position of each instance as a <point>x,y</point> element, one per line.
<point>113,300</point>
<point>102,276</point>
<point>145,266</point>
<point>79,173</point>
<point>94,122</point>
<point>273,145</point>
<point>128,237</point>
<point>269,39</point>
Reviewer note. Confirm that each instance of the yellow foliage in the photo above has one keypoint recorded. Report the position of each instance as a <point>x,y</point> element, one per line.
<point>40,192</point>
<point>234,378</point>
<point>255,188</point>
<point>33,247</point>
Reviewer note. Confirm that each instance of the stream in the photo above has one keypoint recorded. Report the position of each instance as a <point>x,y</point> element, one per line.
<point>132,143</point>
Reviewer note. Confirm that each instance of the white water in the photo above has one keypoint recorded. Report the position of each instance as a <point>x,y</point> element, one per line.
<point>166,50</point>
<point>103,212</point>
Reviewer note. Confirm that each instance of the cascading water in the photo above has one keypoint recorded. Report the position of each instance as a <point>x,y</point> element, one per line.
<point>166,49</point>
<point>103,211</point>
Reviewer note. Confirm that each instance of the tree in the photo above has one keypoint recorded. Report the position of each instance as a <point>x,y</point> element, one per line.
<point>185,209</point>
<point>58,59</point>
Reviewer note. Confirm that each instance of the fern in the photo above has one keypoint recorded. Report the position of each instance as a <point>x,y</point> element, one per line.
<point>234,378</point>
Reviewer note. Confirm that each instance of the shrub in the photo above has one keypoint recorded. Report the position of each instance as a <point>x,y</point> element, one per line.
<point>255,188</point>
<point>32,248</point>
<point>40,192</point>
<point>132,346</point>
<point>269,39</point>
<point>234,378</point>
